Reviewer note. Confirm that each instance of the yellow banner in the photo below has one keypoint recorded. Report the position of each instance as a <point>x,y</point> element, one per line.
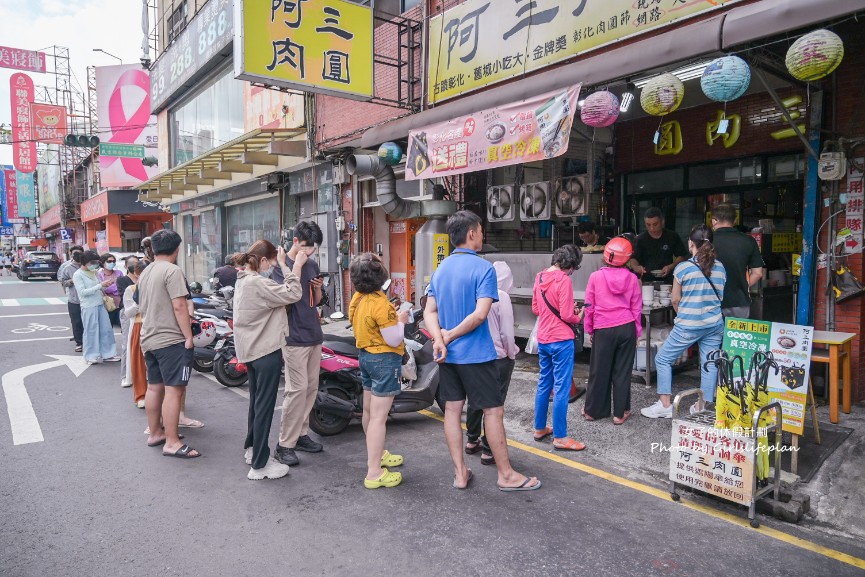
<point>320,46</point>
<point>482,42</point>
<point>441,249</point>
<point>786,242</point>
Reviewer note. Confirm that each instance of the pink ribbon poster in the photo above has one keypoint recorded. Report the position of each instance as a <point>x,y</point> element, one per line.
<point>123,107</point>
<point>534,129</point>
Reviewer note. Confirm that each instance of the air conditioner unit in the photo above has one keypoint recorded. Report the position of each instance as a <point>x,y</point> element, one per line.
<point>572,196</point>
<point>535,201</point>
<point>275,181</point>
<point>500,204</point>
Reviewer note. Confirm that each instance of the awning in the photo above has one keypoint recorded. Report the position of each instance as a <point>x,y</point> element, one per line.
<point>256,153</point>
<point>735,27</point>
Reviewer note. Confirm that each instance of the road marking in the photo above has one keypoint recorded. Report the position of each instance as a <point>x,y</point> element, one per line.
<point>22,418</point>
<point>32,315</point>
<point>694,506</point>
<point>33,301</point>
<point>66,338</point>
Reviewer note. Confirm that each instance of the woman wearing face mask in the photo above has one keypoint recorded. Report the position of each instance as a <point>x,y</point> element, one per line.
<point>260,328</point>
<point>108,272</point>
<point>99,344</point>
<point>123,283</point>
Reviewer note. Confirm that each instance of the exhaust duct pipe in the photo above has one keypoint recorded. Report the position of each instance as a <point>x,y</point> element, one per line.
<point>385,185</point>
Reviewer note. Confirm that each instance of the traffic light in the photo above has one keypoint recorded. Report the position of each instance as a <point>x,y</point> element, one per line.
<point>150,161</point>
<point>84,140</point>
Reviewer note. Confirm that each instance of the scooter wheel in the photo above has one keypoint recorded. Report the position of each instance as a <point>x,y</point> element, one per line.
<point>202,366</point>
<point>328,424</point>
<point>227,375</point>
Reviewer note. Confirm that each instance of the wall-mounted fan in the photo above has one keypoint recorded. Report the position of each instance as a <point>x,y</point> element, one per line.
<point>572,196</point>
<point>535,201</point>
<point>500,203</point>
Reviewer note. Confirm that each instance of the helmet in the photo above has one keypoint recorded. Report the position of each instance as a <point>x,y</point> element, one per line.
<point>206,336</point>
<point>618,251</point>
<point>195,288</point>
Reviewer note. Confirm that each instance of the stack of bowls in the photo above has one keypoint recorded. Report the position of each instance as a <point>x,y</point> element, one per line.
<point>665,295</point>
<point>648,295</point>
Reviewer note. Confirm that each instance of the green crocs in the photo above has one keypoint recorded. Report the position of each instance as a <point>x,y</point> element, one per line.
<point>387,479</point>
<point>389,460</point>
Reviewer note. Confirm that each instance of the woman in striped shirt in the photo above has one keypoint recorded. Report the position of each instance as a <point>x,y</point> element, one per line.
<point>698,289</point>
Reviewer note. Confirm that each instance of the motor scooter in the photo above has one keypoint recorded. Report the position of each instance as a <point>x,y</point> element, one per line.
<point>340,394</point>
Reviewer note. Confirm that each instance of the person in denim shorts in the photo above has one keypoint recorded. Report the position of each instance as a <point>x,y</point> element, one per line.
<point>378,330</point>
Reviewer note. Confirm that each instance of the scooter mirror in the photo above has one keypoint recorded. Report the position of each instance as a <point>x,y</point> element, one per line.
<point>337,316</point>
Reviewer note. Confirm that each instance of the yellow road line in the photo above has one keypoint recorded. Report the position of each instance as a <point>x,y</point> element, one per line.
<point>665,495</point>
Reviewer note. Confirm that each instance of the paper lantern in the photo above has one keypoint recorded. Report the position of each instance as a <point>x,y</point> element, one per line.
<point>726,79</point>
<point>390,153</point>
<point>815,55</point>
<point>600,109</point>
<point>662,94</point>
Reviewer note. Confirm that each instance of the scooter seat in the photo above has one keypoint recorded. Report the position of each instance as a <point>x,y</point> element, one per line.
<point>342,348</point>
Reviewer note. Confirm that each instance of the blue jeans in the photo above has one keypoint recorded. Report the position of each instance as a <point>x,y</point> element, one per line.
<point>679,341</point>
<point>557,371</point>
<point>380,373</point>
<point>98,338</point>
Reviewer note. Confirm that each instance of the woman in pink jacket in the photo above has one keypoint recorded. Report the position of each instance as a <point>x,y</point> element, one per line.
<point>614,305</point>
<point>553,302</point>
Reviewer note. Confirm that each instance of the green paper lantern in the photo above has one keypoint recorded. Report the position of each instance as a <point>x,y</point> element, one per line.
<point>662,94</point>
<point>815,55</point>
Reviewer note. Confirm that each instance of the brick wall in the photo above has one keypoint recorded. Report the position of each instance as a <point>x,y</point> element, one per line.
<point>339,120</point>
<point>850,79</point>
<point>759,118</point>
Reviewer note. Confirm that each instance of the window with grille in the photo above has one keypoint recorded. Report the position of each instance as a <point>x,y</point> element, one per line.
<point>177,21</point>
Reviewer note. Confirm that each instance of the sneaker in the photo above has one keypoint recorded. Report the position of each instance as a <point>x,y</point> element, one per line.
<point>707,406</point>
<point>140,404</point>
<point>307,445</point>
<point>286,456</point>
<point>658,411</point>
<point>247,456</point>
<point>272,470</point>
<point>114,359</point>
<point>125,384</point>
<point>92,363</point>
<point>78,348</point>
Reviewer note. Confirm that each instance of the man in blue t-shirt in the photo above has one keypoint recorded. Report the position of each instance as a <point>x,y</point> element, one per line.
<point>461,292</point>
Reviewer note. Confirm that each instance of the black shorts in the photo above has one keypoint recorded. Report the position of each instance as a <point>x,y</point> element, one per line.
<point>170,366</point>
<point>478,381</point>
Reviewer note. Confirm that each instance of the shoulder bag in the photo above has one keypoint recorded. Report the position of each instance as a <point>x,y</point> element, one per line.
<point>579,331</point>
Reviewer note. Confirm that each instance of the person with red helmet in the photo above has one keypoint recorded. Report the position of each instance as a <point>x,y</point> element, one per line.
<point>613,319</point>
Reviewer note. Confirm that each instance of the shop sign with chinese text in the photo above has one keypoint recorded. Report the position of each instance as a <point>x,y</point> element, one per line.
<point>527,131</point>
<point>855,201</point>
<point>11,205</point>
<point>21,94</point>
<point>441,250</point>
<point>20,59</point>
<point>322,46</point>
<point>715,461</point>
<point>26,195</point>
<point>481,42</point>
<point>790,345</point>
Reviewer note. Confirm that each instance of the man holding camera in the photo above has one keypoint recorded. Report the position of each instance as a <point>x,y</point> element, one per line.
<point>302,353</point>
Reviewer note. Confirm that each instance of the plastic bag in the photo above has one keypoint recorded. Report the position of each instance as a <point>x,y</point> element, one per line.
<point>845,285</point>
<point>409,366</point>
<point>532,344</point>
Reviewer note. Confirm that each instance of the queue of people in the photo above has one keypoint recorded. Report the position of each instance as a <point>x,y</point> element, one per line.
<point>468,314</point>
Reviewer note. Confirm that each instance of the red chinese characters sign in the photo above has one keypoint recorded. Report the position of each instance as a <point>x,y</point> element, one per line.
<point>48,122</point>
<point>23,146</point>
<point>93,208</point>
<point>11,195</point>
<point>22,59</point>
<point>50,217</point>
<point>527,131</point>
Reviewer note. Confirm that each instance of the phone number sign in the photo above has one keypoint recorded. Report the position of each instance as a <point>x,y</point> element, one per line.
<point>209,33</point>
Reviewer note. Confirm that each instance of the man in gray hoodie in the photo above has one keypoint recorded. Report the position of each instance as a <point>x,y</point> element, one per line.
<point>501,324</point>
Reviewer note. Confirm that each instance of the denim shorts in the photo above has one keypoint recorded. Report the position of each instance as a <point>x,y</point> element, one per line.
<point>380,373</point>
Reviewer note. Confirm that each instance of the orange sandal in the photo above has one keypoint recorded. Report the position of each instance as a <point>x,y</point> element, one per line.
<point>541,434</point>
<point>567,444</point>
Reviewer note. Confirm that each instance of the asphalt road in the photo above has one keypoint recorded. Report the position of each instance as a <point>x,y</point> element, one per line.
<point>93,499</point>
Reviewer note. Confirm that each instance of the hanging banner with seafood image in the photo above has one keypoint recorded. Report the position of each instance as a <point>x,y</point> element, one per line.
<point>535,129</point>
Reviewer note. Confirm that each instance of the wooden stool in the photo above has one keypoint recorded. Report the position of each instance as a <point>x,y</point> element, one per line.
<point>838,351</point>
